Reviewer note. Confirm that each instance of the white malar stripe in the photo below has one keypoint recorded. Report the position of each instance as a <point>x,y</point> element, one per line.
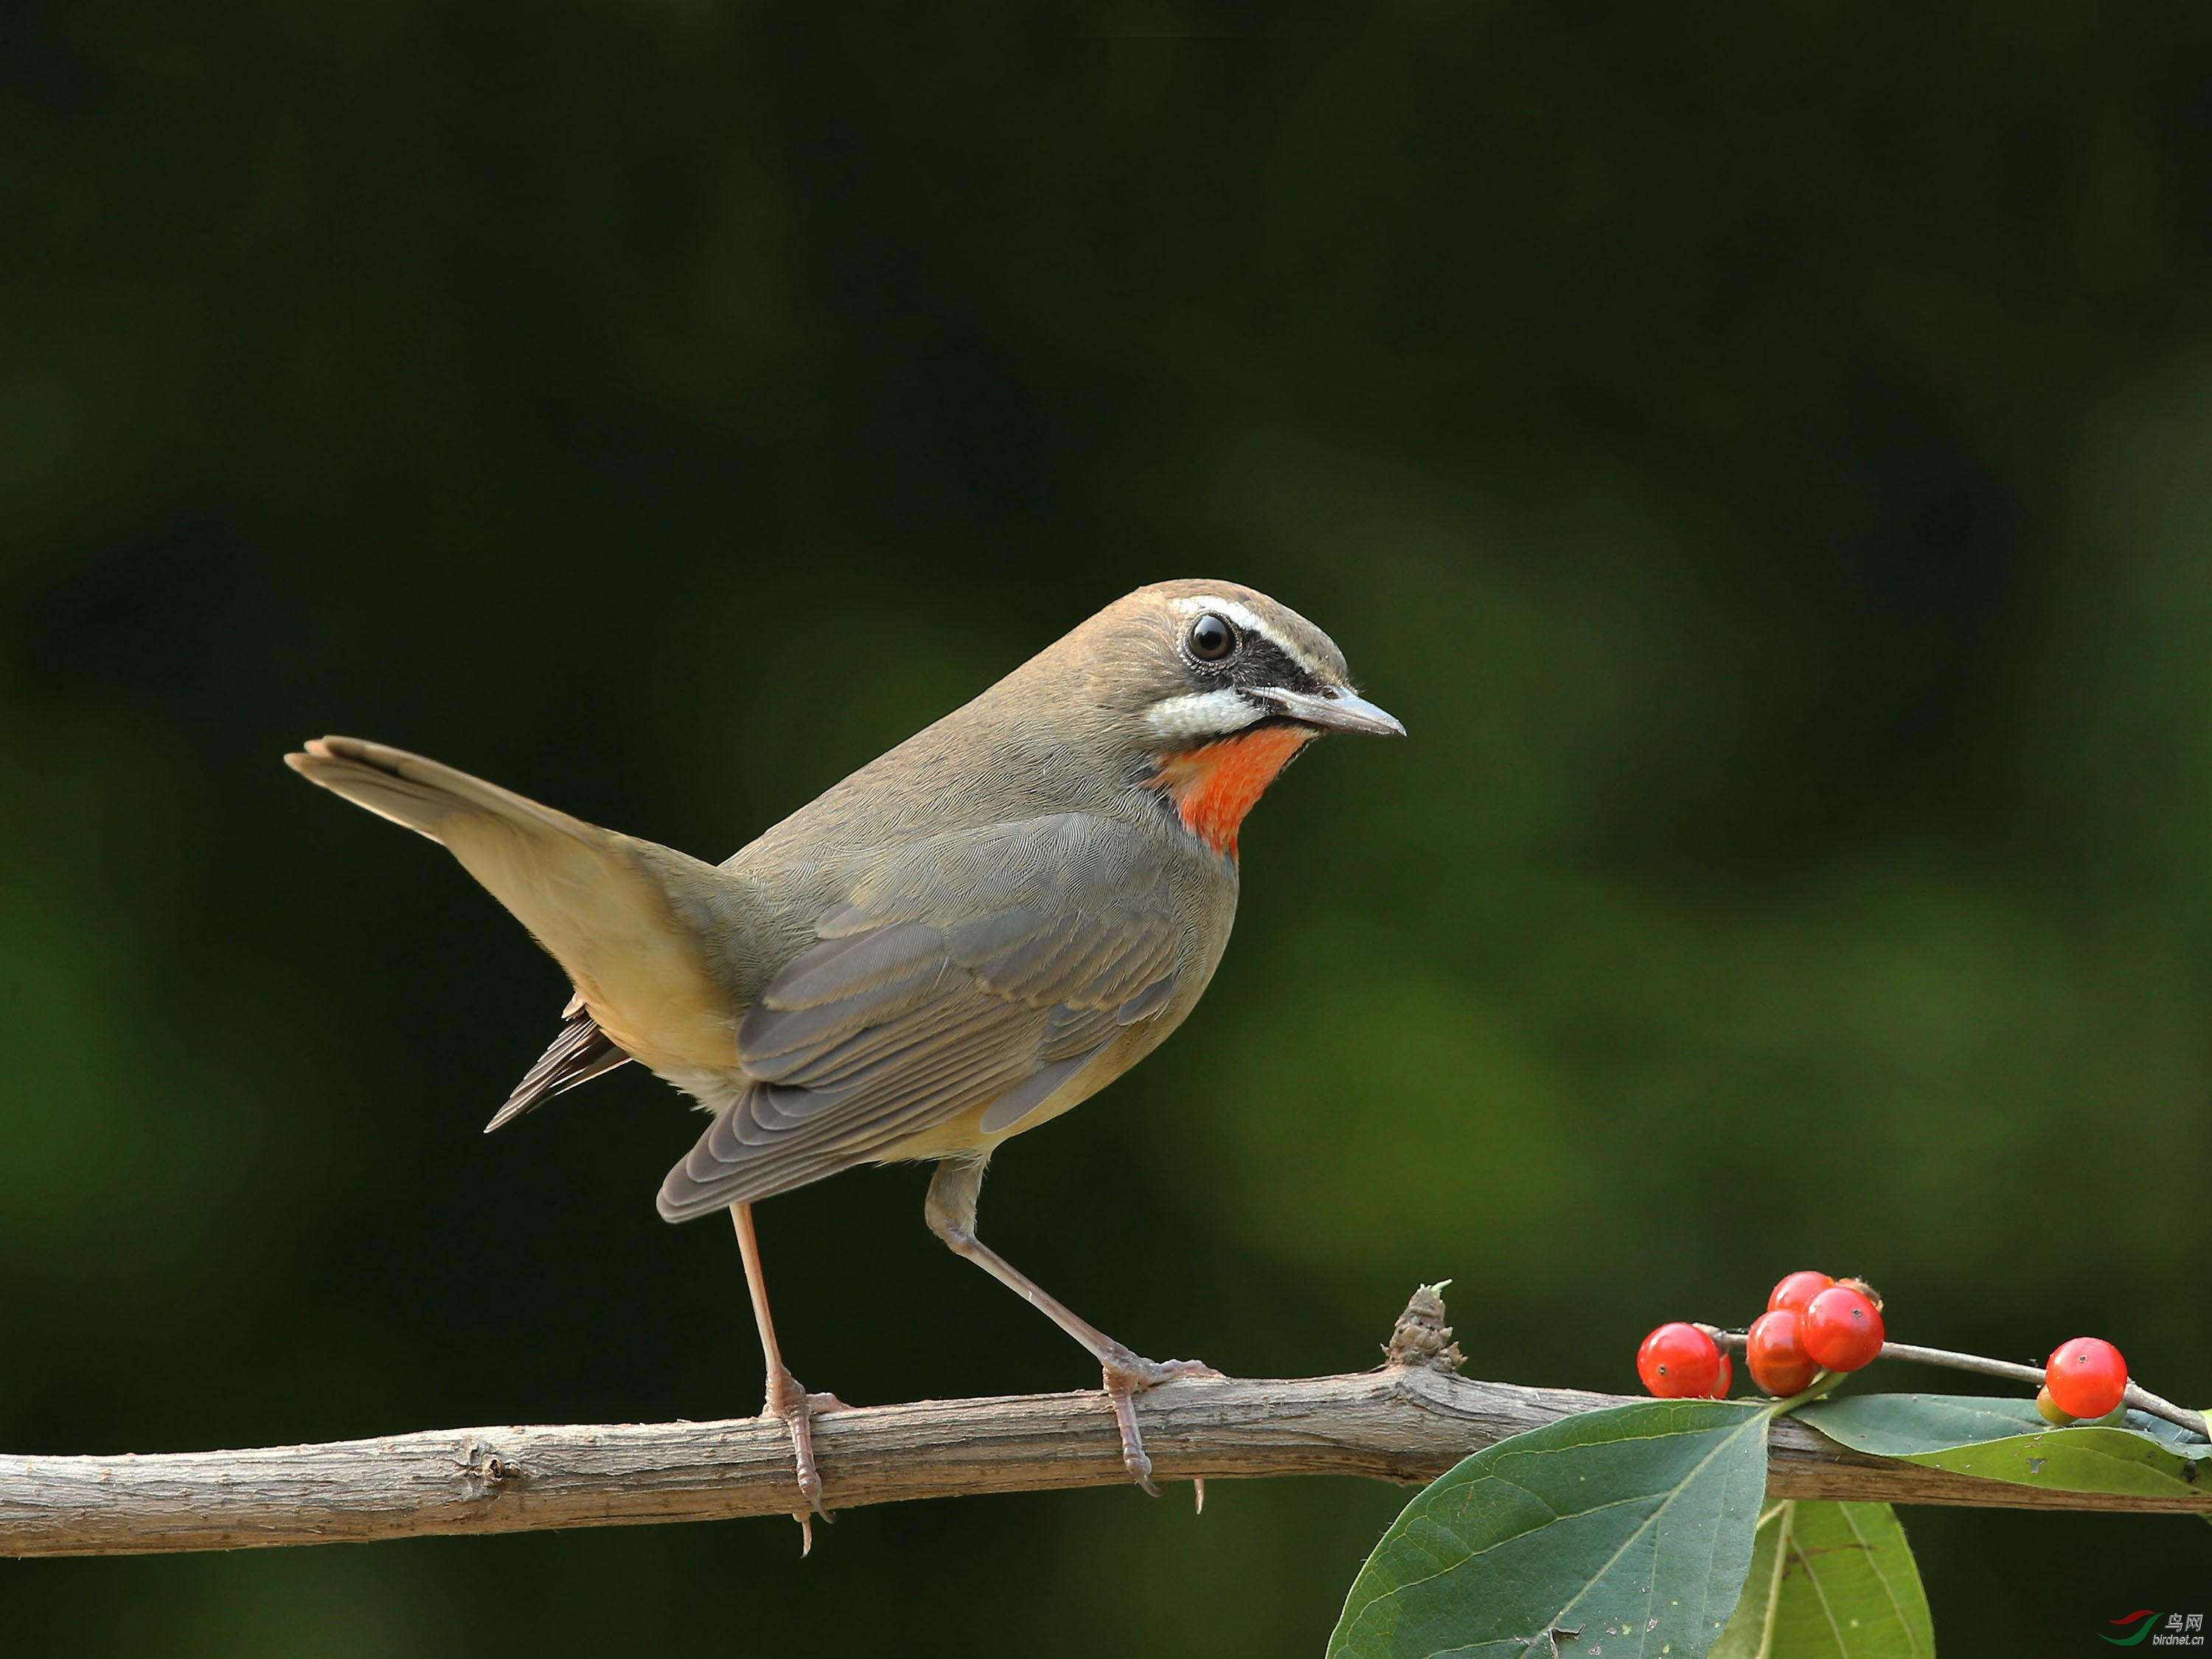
<point>1202,715</point>
<point>1247,619</point>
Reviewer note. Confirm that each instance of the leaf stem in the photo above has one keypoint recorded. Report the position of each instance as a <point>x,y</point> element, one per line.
<point>1823,1383</point>
<point>2141,1398</point>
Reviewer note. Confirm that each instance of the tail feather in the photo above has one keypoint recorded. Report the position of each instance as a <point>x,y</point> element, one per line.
<point>580,1053</point>
<point>421,794</point>
<point>610,909</point>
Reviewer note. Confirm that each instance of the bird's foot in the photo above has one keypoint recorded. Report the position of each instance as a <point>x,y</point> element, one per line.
<point>1127,1375</point>
<point>796,1409</point>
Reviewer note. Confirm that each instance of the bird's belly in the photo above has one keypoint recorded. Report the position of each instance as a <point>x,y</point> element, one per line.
<point>959,1137</point>
<point>964,1137</point>
<point>710,1090</point>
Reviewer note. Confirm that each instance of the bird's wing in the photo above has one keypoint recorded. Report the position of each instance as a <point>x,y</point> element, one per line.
<point>980,969</point>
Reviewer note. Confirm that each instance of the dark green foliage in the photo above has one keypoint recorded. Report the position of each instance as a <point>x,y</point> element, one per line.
<point>1830,1581</point>
<point>2006,1440</point>
<point>1629,1528</point>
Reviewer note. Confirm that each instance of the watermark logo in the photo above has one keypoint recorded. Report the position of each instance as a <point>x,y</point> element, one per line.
<point>2173,1630</point>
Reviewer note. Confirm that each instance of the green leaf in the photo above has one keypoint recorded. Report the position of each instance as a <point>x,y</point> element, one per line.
<point>2006,1440</point>
<point>1620,1533</point>
<point>1830,1581</point>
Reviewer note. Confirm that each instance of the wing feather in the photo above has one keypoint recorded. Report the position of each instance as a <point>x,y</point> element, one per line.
<point>983,970</point>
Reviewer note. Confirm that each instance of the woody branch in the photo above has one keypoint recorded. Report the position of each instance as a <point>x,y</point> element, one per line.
<point>1408,1421</point>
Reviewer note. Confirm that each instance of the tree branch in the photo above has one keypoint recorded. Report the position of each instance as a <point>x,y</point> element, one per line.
<point>1406,1422</point>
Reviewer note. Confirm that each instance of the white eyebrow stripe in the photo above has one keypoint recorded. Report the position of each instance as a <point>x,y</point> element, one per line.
<point>1247,619</point>
<point>1202,715</point>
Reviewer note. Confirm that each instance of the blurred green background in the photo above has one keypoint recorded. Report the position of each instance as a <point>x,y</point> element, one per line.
<point>1765,459</point>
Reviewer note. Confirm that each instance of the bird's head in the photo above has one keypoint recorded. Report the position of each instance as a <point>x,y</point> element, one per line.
<point>1208,689</point>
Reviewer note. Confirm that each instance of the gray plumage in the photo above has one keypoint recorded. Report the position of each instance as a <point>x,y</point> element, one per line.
<point>969,935</point>
<point>972,968</point>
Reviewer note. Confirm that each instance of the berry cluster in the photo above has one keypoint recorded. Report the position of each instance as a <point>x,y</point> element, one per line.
<point>1812,1323</point>
<point>1814,1326</point>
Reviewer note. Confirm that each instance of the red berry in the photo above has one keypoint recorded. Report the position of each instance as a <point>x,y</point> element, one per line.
<point>1798,1289</point>
<point>1775,1352</point>
<point>1679,1362</point>
<point>1725,1380</point>
<point>2087,1377</point>
<point>1842,1330</point>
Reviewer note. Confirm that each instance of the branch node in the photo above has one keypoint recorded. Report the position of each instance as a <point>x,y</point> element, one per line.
<point>483,1470</point>
<point>1421,1338</point>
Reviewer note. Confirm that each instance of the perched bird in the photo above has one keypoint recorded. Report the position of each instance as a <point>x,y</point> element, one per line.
<point>967,937</point>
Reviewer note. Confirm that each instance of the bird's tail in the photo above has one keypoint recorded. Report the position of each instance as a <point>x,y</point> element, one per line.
<point>618,913</point>
<point>424,795</point>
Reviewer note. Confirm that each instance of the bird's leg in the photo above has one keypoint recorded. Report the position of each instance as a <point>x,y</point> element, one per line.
<point>786,1399</point>
<point>951,1212</point>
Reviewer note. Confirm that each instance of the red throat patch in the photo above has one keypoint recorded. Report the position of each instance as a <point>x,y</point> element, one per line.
<point>1215,785</point>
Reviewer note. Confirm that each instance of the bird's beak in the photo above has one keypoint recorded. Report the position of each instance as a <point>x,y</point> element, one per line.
<point>1336,708</point>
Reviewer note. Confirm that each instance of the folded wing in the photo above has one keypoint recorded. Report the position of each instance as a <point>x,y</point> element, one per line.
<point>980,969</point>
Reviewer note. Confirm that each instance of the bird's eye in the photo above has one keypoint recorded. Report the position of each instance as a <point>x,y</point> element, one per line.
<point>1211,639</point>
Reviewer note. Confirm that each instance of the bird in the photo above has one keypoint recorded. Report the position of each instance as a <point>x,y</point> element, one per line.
<point>968,936</point>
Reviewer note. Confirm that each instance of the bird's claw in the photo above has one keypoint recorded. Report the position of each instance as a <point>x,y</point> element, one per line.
<point>1128,1374</point>
<point>789,1403</point>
